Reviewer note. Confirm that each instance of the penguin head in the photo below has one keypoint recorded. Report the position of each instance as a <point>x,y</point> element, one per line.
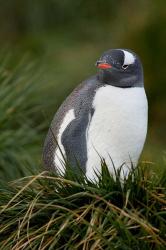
<point>120,68</point>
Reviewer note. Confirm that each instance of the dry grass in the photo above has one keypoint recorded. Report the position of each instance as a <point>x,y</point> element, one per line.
<point>50,212</point>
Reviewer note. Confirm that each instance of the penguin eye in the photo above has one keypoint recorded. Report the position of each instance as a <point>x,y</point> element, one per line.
<point>125,66</point>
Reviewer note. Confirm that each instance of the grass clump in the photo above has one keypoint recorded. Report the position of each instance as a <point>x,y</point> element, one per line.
<point>51,212</point>
<point>21,121</point>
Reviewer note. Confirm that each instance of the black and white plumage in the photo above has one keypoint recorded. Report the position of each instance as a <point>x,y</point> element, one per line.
<point>104,117</point>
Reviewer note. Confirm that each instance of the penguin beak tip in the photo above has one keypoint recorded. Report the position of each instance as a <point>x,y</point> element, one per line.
<point>103,65</point>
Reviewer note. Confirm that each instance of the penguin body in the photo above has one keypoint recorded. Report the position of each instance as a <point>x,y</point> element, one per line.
<point>105,117</point>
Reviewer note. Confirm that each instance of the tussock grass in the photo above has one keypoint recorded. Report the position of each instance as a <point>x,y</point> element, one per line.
<point>20,121</point>
<point>51,212</point>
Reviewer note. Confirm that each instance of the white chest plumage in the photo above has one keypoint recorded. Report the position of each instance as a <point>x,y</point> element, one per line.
<point>118,128</point>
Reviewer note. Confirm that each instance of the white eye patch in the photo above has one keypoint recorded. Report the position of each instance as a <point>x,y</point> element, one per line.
<point>128,58</point>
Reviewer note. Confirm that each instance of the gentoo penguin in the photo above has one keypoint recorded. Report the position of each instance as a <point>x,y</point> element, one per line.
<point>105,117</point>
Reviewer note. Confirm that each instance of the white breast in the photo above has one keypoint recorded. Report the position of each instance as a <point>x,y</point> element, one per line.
<point>118,128</point>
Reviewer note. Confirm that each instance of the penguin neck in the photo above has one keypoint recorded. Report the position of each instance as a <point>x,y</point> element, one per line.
<point>110,79</point>
<point>107,79</point>
<point>103,78</point>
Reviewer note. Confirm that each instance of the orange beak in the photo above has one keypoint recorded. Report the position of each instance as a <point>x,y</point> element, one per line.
<point>103,65</point>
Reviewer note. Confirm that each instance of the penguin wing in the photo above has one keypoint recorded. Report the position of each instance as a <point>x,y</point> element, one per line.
<point>72,134</point>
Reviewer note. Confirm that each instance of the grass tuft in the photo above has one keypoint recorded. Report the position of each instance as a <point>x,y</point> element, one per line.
<point>46,211</point>
<point>21,121</point>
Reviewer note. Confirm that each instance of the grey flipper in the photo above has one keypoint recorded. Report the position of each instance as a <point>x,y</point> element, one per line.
<point>74,136</point>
